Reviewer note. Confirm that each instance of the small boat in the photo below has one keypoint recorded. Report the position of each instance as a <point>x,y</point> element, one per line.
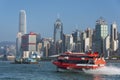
<point>26,61</point>
<point>79,61</point>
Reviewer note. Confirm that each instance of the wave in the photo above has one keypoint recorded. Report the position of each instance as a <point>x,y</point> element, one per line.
<point>107,70</point>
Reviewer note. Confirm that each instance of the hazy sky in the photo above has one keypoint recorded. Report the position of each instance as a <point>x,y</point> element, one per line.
<point>41,15</point>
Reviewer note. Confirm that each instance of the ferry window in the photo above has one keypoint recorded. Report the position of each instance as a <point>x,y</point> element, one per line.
<point>78,61</point>
<point>74,61</point>
<point>91,62</point>
<point>60,60</point>
<point>83,61</point>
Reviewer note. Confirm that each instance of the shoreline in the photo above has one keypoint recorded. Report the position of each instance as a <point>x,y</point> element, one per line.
<point>107,60</point>
<point>113,61</point>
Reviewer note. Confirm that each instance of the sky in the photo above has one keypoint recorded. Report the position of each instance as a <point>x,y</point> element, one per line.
<point>42,14</point>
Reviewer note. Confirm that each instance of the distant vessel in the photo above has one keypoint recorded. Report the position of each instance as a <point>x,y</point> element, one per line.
<point>26,61</point>
<point>79,61</point>
<point>28,58</point>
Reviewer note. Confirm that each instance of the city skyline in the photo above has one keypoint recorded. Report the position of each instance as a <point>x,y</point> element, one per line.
<point>41,15</point>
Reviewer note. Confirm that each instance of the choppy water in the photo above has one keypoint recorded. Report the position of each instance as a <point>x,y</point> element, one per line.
<point>47,71</point>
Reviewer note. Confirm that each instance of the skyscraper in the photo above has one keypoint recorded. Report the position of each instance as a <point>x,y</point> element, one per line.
<point>77,40</point>
<point>22,31</point>
<point>114,37</point>
<point>101,34</point>
<point>22,21</point>
<point>58,30</point>
<point>18,44</point>
<point>76,36</point>
<point>68,42</point>
<point>29,42</point>
<point>58,36</point>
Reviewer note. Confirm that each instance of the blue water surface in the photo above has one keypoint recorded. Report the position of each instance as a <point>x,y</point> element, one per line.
<point>45,70</point>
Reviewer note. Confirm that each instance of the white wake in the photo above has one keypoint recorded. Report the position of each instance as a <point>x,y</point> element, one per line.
<point>108,70</point>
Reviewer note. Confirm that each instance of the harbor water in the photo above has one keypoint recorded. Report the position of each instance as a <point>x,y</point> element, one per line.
<point>45,70</point>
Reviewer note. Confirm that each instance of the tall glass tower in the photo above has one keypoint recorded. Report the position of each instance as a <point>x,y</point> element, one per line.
<point>22,31</point>
<point>58,36</point>
<point>101,34</point>
<point>58,30</point>
<point>22,21</point>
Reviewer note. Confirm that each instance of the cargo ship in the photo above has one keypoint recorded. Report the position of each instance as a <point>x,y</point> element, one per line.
<point>79,61</point>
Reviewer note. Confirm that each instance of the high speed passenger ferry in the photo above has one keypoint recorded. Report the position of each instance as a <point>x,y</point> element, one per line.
<point>79,61</point>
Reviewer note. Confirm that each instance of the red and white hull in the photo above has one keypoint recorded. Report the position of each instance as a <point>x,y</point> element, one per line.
<point>77,66</point>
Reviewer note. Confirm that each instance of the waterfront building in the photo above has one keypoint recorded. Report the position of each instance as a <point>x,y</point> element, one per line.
<point>52,49</point>
<point>87,44</point>
<point>76,36</point>
<point>77,40</point>
<point>22,21</point>
<point>114,38</point>
<point>21,32</point>
<point>78,47</point>
<point>119,44</point>
<point>89,34</point>
<point>28,44</point>
<point>93,40</point>
<point>83,38</point>
<point>39,47</point>
<point>46,47</point>
<point>86,40</point>
<point>101,32</point>
<point>107,47</point>
<point>58,36</point>
<point>18,44</point>
<point>68,42</point>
